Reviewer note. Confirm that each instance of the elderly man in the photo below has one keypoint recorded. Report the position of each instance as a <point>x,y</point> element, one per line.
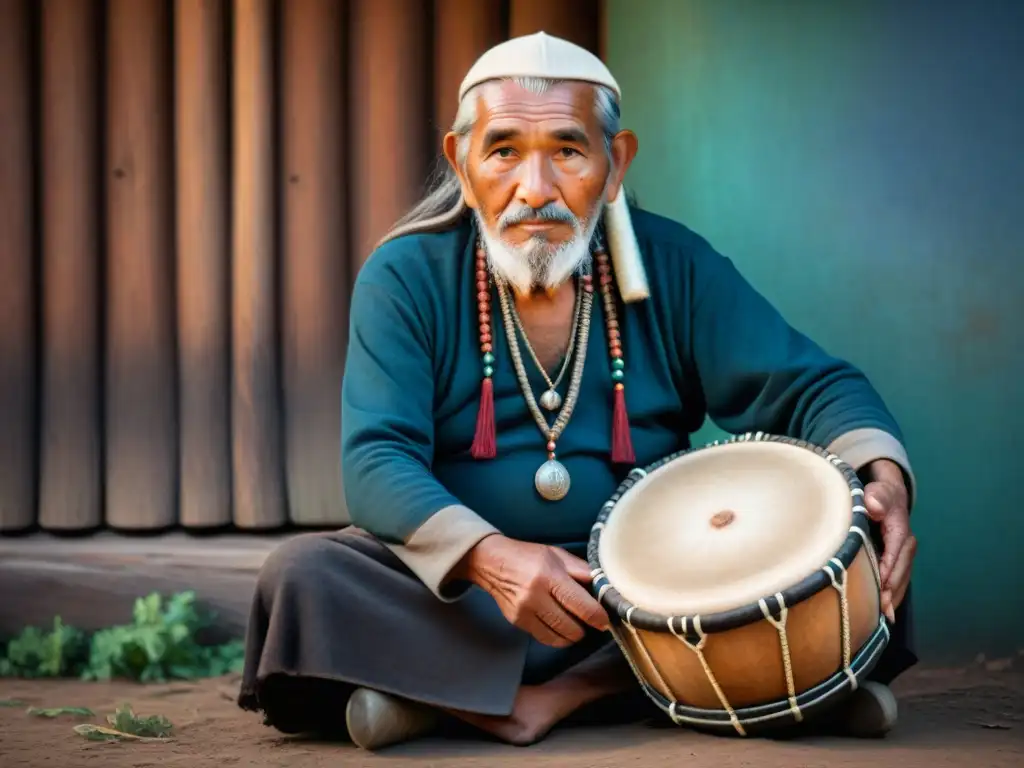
<point>484,426</point>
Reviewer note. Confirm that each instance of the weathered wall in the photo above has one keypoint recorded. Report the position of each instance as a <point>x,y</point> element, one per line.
<point>862,163</point>
<point>187,190</point>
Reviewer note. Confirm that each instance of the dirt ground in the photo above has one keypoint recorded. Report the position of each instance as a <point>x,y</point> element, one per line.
<point>971,717</point>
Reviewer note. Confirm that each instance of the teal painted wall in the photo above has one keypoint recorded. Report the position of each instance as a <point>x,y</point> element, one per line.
<point>863,163</point>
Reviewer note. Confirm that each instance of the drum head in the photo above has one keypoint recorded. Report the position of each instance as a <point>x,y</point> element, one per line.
<point>723,526</point>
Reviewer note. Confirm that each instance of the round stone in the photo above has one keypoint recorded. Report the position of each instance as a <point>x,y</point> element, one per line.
<point>617,375</point>
<point>488,371</point>
<point>618,363</point>
<point>488,358</point>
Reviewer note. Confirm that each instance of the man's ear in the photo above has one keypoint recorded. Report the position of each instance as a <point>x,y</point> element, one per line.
<point>450,147</point>
<point>624,149</point>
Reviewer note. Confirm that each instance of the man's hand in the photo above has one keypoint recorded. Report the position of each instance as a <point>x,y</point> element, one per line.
<point>886,500</point>
<point>538,588</point>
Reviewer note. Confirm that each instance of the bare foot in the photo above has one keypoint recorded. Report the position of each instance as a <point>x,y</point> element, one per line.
<point>537,709</point>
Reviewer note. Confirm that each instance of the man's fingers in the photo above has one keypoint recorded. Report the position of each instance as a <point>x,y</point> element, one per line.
<point>898,595</point>
<point>580,603</point>
<point>887,505</point>
<point>901,566</point>
<point>888,560</point>
<point>578,569</point>
<point>527,618</point>
<point>542,633</point>
<point>887,606</point>
<point>560,621</point>
<point>877,501</point>
<point>892,544</point>
<point>900,575</point>
<point>576,598</point>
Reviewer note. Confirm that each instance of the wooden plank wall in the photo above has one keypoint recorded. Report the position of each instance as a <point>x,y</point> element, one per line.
<point>187,189</point>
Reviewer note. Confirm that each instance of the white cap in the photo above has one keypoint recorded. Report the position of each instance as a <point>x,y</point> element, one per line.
<point>541,55</point>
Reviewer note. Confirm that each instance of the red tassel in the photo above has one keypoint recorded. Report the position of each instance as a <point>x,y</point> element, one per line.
<point>484,443</point>
<point>622,445</point>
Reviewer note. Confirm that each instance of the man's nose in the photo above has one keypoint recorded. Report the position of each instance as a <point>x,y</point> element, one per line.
<point>536,188</point>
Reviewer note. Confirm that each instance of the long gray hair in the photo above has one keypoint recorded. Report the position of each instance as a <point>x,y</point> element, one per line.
<point>443,204</point>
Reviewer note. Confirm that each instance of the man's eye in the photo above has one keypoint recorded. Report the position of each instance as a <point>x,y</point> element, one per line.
<point>504,152</point>
<point>569,152</point>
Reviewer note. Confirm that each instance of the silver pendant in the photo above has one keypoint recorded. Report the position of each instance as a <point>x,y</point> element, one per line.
<point>551,400</point>
<point>552,480</point>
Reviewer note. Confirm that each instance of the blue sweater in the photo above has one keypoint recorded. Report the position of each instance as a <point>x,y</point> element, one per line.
<point>706,343</point>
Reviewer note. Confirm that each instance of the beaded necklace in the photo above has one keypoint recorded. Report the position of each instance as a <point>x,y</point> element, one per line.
<point>552,479</point>
<point>550,399</point>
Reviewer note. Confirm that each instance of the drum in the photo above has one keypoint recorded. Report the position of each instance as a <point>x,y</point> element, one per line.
<point>741,582</point>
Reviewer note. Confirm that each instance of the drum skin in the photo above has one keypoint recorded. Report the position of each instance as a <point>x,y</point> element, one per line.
<point>748,661</point>
<point>766,659</point>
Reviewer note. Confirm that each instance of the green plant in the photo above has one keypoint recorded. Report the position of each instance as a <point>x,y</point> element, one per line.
<point>35,653</point>
<point>126,725</point>
<point>158,645</point>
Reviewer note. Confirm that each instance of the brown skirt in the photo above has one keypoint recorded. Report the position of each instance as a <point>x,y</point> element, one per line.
<point>334,611</point>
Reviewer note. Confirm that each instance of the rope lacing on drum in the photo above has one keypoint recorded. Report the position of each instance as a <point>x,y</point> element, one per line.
<point>638,641</point>
<point>844,607</point>
<point>629,657</point>
<point>787,659</point>
<point>639,646</point>
<point>698,649</point>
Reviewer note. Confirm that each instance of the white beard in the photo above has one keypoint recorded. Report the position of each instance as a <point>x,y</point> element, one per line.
<point>535,263</point>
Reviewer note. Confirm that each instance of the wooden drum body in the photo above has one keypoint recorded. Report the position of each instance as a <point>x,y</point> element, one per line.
<point>742,582</point>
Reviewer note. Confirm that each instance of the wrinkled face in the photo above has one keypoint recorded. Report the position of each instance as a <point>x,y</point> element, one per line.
<point>537,174</point>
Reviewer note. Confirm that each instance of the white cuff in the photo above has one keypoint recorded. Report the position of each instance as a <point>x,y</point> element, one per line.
<point>860,447</point>
<point>439,544</point>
